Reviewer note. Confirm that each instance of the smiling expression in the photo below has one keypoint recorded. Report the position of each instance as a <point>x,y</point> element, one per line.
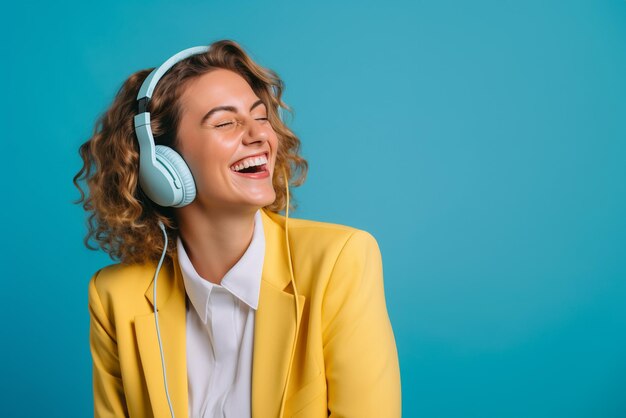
<point>227,142</point>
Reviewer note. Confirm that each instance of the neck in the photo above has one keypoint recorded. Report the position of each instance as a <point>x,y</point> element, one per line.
<point>215,240</point>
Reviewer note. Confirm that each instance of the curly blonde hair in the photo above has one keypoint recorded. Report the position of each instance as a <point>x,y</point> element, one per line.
<point>122,220</point>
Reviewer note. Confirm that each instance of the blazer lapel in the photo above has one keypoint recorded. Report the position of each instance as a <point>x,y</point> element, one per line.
<point>172,320</point>
<point>275,323</point>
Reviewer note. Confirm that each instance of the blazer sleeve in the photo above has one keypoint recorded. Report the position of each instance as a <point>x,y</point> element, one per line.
<point>361,360</point>
<point>108,393</point>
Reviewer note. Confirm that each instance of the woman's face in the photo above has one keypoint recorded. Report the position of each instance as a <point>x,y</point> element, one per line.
<point>223,122</point>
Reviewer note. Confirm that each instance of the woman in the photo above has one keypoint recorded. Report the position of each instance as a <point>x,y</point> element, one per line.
<point>196,219</point>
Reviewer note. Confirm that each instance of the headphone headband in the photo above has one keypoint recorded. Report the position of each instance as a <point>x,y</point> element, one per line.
<point>147,88</point>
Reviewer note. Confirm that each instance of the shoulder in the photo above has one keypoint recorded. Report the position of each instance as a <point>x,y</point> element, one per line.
<point>322,232</point>
<point>121,287</point>
<point>321,242</point>
<point>325,231</point>
<point>123,277</point>
<point>313,233</point>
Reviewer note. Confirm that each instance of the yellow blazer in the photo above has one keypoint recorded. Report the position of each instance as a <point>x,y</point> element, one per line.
<point>345,362</point>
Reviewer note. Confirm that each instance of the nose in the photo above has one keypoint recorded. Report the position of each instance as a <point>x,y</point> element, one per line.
<point>255,131</point>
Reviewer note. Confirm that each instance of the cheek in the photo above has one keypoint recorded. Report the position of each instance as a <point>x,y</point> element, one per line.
<point>207,162</point>
<point>217,154</point>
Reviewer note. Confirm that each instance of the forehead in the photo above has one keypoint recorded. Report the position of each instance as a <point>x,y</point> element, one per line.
<point>218,87</point>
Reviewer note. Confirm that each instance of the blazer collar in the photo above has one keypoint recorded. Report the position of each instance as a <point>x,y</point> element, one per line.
<point>275,325</point>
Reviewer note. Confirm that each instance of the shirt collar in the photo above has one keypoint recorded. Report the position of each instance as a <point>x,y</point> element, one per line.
<point>243,280</point>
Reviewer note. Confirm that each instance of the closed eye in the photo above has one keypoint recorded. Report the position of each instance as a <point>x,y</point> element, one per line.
<point>225,124</point>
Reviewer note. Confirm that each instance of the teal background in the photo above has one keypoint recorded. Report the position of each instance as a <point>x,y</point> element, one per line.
<point>482,143</point>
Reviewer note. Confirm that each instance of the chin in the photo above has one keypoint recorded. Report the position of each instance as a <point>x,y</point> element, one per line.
<point>267,201</point>
<point>258,200</point>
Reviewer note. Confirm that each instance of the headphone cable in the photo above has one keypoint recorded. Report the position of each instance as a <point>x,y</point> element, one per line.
<point>156,318</point>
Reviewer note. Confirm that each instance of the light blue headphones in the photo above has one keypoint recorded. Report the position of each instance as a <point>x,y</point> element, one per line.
<point>163,174</point>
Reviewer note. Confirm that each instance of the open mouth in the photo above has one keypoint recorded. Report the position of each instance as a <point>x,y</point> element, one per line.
<point>251,165</point>
<point>254,169</point>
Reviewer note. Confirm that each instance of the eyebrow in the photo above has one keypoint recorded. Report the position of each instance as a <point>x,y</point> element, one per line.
<point>229,109</point>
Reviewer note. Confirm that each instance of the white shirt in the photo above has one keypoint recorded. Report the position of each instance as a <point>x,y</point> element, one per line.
<point>220,332</point>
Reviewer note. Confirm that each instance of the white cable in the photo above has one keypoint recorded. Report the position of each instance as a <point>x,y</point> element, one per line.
<point>156,318</point>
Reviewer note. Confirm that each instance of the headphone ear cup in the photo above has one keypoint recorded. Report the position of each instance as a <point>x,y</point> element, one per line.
<point>179,169</point>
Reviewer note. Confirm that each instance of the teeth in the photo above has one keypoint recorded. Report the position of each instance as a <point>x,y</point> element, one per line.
<point>249,162</point>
